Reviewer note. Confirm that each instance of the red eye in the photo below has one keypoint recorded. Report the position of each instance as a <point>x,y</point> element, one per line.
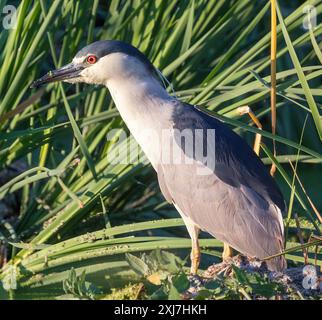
<point>91,59</point>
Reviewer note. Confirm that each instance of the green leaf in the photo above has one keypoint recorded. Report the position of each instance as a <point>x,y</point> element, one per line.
<point>138,265</point>
<point>29,246</point>
<point>179,284</point>
<point>241,276</point>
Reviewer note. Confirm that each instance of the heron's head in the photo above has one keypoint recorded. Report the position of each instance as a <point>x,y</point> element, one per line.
<point>101,62</point>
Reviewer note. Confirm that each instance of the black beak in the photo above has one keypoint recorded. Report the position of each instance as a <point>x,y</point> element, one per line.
<point>68,71</point>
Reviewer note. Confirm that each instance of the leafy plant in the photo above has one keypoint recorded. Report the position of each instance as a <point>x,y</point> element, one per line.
<point>76,287</point>
<point>163,274</point>
<point>170,281</point>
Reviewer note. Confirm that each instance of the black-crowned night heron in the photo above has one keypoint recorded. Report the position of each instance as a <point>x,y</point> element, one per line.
<point>226,191</point>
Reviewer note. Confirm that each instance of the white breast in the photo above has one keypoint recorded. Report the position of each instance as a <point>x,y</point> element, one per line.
<point>146,109</point>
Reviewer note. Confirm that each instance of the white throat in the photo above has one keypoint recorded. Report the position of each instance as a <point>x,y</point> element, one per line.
<point>145,107</point>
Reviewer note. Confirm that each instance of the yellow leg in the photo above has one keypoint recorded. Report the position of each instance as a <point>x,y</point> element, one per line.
<point>195,255</point>
<point>228,252</point>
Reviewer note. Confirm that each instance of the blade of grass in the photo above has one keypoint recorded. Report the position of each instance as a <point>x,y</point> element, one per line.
<point>290,207</point>
<point>19,76</point>
<point>307,196</point>
<point>308,94</point>
<point>78,134</point>
<point>289,182</point>
<point>313,40</point>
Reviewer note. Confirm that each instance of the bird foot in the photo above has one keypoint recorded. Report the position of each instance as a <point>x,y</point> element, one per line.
<point>225,267</point>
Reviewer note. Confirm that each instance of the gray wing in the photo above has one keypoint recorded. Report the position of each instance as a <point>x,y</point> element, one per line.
<point>238,202</point>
